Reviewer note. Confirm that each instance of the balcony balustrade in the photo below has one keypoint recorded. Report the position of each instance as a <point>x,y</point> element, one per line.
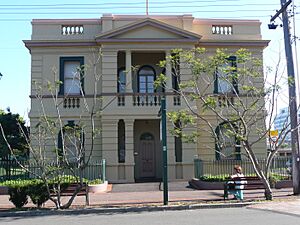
<point>72,30</point>
<point>72,102</point>
<point>146,99</point>
<point>222,29</point>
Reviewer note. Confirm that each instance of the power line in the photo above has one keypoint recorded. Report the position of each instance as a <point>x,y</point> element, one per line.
<point>73,13</point>
<point>127,3</point>
<point>126,6</point>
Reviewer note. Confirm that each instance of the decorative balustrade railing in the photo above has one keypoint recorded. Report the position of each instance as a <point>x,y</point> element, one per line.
<point>177,100</point>
<point>72,30</point>
<point>222,29</point>
<point>146,99</point>
<point>72,102</point>
<point>225,101</point>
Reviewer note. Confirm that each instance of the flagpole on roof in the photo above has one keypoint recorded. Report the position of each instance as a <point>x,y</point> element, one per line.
<point>147,7</point>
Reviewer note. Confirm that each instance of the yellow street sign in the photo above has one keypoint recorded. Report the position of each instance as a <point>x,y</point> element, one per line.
<point>274,133</point>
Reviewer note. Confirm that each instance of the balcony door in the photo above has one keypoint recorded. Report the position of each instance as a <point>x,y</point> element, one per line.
<point>146,78</point>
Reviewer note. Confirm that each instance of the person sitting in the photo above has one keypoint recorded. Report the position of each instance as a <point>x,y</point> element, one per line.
<point>237,191</point>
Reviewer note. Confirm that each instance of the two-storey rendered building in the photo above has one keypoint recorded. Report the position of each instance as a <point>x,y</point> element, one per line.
<point>131,48</point>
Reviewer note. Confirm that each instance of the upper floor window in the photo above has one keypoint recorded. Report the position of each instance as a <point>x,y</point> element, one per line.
<point>121,80</point>
<point>146,78</point>
<point>225,82</point>
<point>71,75</point>
<point>175,71</point>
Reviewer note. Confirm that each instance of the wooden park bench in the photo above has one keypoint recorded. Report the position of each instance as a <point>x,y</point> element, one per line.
<point>247,183</point>
<point>68,191</point>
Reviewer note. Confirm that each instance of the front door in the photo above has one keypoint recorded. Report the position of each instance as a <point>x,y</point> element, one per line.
<point>147,155</point>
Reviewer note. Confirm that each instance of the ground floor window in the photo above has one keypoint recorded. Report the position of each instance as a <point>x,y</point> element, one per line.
<point>71,143</point>
<point>227,146</point>
<point>121,141</point>
<point>178,143</point>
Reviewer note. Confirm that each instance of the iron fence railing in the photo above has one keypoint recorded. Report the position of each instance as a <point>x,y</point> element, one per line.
<point>280,166</point>
<point>21,170</point>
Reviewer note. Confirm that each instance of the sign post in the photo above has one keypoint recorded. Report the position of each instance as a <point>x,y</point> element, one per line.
<point>164,148</point>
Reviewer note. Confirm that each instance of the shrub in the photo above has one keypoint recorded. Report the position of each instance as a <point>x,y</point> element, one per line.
<point>18,194</point>
<point>96,181</point>
<point>214,178</point>
<point>37,192</point>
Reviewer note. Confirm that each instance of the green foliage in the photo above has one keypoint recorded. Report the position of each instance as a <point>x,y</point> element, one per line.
<point>183,116</point>
<point>18,194</point>
<point>210,102</point>
<point>275,177</point>
<point>96,181</point>
<point>37,192</point>
<point>160,81</point>
<point>291,81</point>
<point>12,123</point>
<point>36,189</point>
<point>214,178</point>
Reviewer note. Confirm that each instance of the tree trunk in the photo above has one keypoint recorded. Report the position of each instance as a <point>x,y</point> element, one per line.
<point>260,173</point>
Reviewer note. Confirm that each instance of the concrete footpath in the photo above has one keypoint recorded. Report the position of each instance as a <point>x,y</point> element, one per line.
<point>149,197</point>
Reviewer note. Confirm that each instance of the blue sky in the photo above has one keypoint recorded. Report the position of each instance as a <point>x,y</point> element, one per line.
<point>15,17</point>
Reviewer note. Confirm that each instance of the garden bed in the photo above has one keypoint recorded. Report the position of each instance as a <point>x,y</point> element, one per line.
<point>206,185</point>
<point>98,188</point>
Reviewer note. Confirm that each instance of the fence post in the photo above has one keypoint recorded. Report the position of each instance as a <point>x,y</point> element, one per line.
<point>198,168</point>
<point>103,163</point>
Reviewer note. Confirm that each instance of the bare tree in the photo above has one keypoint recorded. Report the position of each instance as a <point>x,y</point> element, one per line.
<point>58,149</point>
<point>228,97</point>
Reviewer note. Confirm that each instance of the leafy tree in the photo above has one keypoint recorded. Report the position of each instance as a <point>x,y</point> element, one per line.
<point>228,97</point>
<point>12,123</point>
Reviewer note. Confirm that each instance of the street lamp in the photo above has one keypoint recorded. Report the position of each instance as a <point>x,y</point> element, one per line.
<point>272,26</point>
<point>163,114</point>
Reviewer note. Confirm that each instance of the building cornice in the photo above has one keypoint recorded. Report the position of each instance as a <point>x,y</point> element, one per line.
<point>65,21</point>
<point>59,43</point>
<point>234,43</point>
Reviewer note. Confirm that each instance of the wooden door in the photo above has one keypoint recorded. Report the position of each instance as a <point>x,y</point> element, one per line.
<point>147,155</point>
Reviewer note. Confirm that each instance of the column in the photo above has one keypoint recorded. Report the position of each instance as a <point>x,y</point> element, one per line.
<point>129,140</point>
<point>129,148</point>
<point>110,147</point>
<point>129,72</point>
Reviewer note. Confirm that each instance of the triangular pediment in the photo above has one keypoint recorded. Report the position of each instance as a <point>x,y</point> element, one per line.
<point>148,30</point>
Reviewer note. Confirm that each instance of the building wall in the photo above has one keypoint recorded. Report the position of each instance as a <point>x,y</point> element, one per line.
<point>52,39</point>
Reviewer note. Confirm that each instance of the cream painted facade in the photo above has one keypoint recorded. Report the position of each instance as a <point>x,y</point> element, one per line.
<point>129,42</point>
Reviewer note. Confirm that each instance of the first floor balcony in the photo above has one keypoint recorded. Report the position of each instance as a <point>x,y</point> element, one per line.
<point>146,99</point>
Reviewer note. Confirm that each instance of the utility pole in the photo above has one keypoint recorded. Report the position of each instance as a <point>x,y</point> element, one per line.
<point>292,94</point>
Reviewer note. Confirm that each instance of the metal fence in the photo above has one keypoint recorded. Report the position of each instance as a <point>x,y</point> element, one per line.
<point>12,170</point>
<point>280,166</point>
